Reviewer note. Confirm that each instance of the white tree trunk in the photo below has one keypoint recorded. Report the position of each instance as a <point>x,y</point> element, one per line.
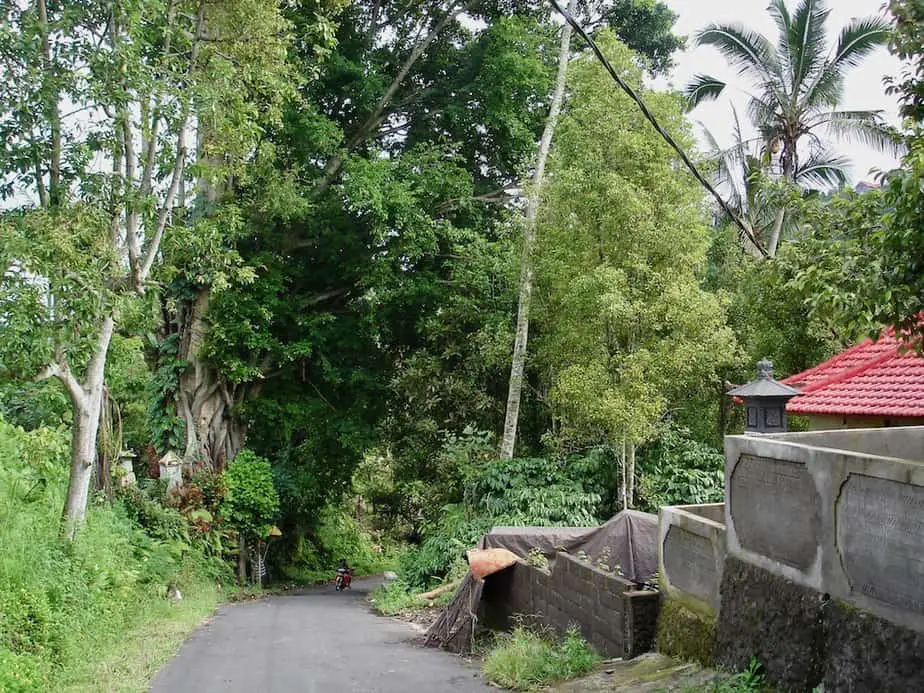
<point>775,233</point>
<point>87,399</point>
<point>630,476</point>
<point>518,362</point>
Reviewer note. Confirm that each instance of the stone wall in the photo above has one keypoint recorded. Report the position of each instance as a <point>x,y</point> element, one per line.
<point>614,617</point>
<point>844,521</point>
<point>825,542</point>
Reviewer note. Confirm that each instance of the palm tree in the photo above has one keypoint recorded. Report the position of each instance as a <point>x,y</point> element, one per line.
<point>796,87</point>
<point>740,171</point>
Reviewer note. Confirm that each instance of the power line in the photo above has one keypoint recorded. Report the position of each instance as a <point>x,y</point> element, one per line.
<point>657,126</point>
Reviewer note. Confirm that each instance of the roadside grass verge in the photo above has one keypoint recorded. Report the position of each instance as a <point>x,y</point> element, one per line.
<point>524,660</point>
<point>397,598</point>
<point>130,663</point>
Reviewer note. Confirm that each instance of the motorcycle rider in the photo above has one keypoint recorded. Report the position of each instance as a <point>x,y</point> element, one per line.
<point>343,574</point>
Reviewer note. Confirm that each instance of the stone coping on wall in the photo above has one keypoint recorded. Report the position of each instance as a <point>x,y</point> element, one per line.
<point>691,553</point>
<point>848,523</point>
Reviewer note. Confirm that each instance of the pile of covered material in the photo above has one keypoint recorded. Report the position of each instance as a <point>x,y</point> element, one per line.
<point>629,540</point>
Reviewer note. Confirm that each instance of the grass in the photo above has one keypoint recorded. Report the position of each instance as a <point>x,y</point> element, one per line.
<point>524,660</point>
<point>129,664</point>
<point>396,598</point>
<point>751,680</point>
<point>92,614</point>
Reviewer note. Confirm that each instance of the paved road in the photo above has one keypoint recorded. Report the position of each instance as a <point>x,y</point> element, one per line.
<point>318,641</point>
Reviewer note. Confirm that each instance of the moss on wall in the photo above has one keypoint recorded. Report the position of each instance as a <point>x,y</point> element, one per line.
<point>686,629</point>
<point>773,619</point>
<point>868,653</point>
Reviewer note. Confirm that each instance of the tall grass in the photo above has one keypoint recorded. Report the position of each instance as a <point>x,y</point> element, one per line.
<point>524,660</point>
<point>64,606</point>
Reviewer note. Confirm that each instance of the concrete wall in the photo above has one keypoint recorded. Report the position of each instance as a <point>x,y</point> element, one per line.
<point>825,558</point>
<point>830,511</point>
<point>691,552</point>
<point>614,617</point>
<point>905,443</point>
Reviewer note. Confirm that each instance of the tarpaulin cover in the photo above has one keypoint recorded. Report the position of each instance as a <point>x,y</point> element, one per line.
<point>629,540</point>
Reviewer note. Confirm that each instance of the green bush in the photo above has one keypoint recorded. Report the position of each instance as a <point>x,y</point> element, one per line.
<point>524,660</point>
<point>675,469</point>
<point>251,502</point>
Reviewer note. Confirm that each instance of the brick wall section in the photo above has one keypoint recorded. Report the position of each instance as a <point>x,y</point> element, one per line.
<point>614,618</point>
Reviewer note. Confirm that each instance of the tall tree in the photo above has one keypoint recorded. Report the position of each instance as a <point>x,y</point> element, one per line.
<point>99,103</point>
<point>518,360</point>
<point>797,87</point>
<point>625,326</point>
<point>644,26</point>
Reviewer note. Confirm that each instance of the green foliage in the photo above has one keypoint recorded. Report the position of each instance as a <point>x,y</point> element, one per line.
<point>251,502</point>
<point>395,598</point>
<point>62,605</point>
<point>624,325</point>
<point>678,470</point>
<point>167,429</point>
<point>533,492</point>
<point>750,680</point>
<point>525,661</point>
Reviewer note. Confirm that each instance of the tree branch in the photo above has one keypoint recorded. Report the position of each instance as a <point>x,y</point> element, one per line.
<point>368,126</point>
<point>63,373</point>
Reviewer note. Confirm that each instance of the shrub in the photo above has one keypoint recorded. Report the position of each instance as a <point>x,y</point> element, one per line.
<point>251,502</point>
<point>678,470</point>
<point>524,660</point>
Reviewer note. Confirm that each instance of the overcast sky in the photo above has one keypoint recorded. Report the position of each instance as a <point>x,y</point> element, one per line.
<point>863,88</point>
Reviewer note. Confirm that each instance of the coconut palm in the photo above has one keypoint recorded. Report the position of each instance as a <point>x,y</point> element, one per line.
<point>740,175</point>
<point>795,90</point>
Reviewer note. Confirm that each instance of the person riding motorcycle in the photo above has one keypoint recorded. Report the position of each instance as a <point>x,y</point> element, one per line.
<point>344,575</point>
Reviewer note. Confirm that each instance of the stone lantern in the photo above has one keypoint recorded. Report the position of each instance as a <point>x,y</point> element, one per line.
<point>171,469</point>
<point>765,401</point>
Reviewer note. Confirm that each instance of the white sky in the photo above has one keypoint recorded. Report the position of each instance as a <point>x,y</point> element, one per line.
<point>863,87</point>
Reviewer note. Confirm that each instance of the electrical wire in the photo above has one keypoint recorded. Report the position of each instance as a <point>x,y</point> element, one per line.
<point>657,126</point>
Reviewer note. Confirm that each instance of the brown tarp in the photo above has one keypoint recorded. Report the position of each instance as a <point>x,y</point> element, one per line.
<point>628,540</point>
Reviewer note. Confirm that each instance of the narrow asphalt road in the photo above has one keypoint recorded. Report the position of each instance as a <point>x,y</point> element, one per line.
<point>315,641</point>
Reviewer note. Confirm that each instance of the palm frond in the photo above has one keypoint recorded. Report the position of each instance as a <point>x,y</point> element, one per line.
<point>748,50</point>
<point>763,112</point>
<point>858,39</point>
<point>852,126</point>
<point>823,169</point>
<point>807,41</point>
<point>780,14</point>
<point>702,88</point>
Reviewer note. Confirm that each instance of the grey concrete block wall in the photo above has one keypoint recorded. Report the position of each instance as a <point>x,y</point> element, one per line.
<point>614,617</point>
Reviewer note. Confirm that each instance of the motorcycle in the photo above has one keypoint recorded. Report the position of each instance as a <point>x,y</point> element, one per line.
<point>343,579</point>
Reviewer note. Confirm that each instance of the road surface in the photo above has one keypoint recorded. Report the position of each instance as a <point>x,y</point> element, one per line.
<point>314,641</point>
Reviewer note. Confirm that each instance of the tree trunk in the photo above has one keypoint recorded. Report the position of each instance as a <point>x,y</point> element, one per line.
<point>242,559</point>
<point>775,234</point>
<point>518,362</point>
<point>204,399</point>
<point>630,477</point>
<point>87,401</point>
<point>83,454</point>
<point>623,476</point>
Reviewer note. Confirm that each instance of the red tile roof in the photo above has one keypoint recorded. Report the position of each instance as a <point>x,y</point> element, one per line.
<point>873,378</point>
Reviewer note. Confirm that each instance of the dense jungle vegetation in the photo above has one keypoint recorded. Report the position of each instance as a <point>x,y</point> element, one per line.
<point>380,275</point>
